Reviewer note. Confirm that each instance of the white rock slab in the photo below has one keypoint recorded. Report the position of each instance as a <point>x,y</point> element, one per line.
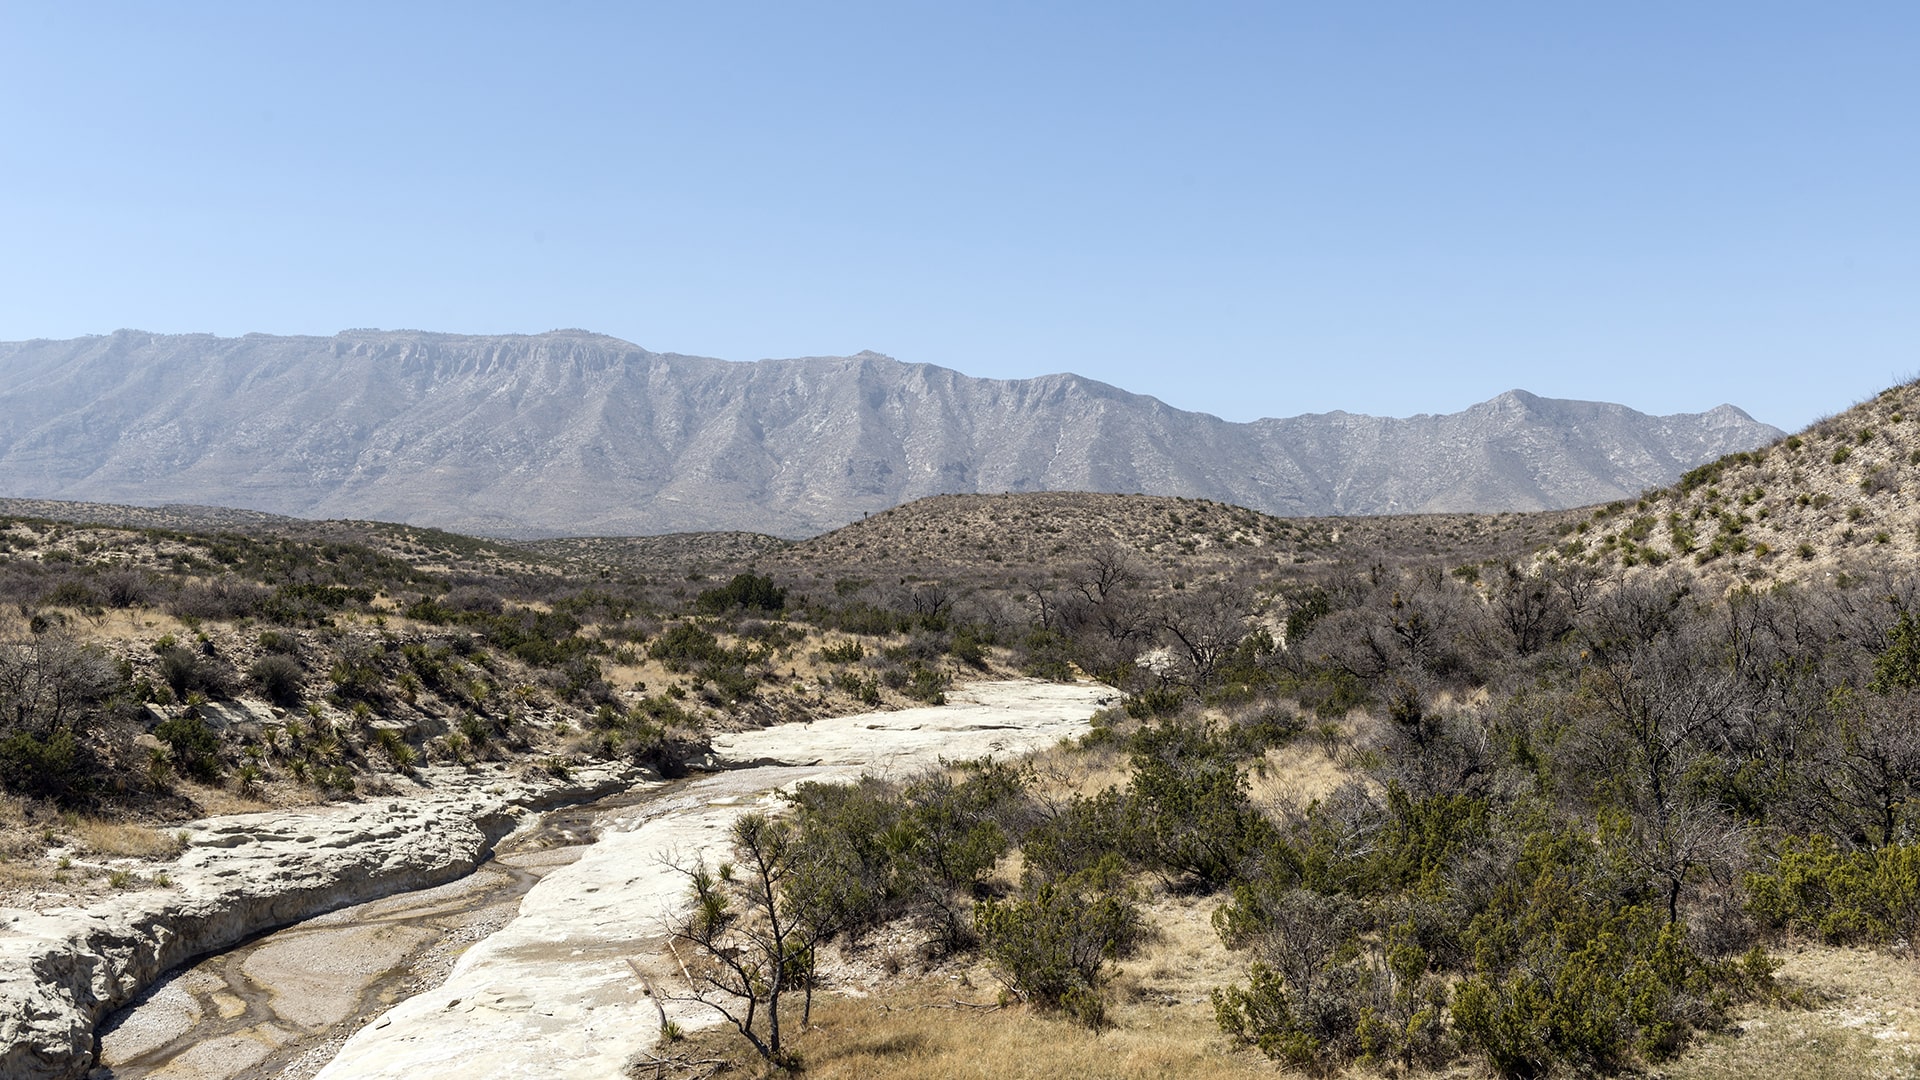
<point>552,994</point>
<point>62,970</point>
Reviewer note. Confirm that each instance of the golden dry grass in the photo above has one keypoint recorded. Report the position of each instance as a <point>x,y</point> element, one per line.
<point>1061,772</point>
<point>918,1033</point>
<point>116,840</point>
<point>212,801</point>
<point>1860,1021</point>
<point>129,625</point>
<point>1297,774</point>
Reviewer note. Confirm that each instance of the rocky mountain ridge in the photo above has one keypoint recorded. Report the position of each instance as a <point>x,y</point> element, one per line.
<point>571,433</point>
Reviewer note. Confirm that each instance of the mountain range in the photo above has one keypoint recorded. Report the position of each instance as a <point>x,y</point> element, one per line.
<point>575,433</point>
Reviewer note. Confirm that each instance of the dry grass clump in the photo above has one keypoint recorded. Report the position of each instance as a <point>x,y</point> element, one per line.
<point>118,840</point>
<point>1296,774</point>
<point>18,840</point>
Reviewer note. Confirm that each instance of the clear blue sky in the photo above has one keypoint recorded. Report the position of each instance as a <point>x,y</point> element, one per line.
<point>1248,209</point>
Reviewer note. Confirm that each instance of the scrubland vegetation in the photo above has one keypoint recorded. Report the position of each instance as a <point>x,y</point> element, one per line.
<point>1482,807</point>
<point>1569,822</point>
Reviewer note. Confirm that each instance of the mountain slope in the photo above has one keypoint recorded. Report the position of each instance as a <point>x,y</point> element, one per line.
<point>578,433</point>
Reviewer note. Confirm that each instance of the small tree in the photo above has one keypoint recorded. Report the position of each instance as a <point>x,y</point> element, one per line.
<point>750,947</point>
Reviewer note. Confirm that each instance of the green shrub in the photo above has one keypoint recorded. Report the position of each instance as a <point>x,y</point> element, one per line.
<point>867,689</point>
<point>750,591</point>
<point>1846,898</point>
<point>1634,989</point>
<point>730,681</point>
<point>196,749</point>
<point>54,766</point>
<point>279,677</point>
<point>969,647</point>
<point>845,652</point>
<point>1047,655</point>
<point>1051,944</point>
<point>1189,814</point>
<point>924,684</point>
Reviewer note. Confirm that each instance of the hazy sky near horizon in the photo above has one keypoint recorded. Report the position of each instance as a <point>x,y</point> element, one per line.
<point>1255,209</point>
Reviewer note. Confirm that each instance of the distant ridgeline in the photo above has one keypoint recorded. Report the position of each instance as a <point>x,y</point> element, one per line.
<point>572,433</point>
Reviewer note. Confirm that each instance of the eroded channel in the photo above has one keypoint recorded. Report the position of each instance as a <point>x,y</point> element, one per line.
<point>540,963</point>
<point>282,1004</point>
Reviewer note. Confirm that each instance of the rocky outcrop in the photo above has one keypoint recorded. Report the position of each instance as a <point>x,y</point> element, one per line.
<point>566,990</point>
<point>62,970</point>
<point>572,433</point>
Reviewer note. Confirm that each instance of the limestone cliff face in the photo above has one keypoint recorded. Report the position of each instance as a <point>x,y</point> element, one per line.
<point>578,433</point>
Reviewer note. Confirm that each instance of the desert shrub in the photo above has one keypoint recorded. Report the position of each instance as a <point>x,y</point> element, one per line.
<point>857,833</point>
<point>843,652</point>
<point>1848,898</point>
<point>278,677</point>
<point>1572,967</point>
<point>1157,701</point>
<point>53,766</point>
<point>307,603</point>
<point>926,685</point>
<point>730,682</point>
<point>196,749</point>
<point>969,646</point>
<point>749,591</point>
<point>1078,835</point>
<point>1631,989</point>
<point>356,675</point>
<point>1306,610</point>
<point>687,645</point>
<point>1259,729</point>
<point>188,672</point>
<point>1189,815</point>
<point>223,598</point>
<point>125,588</point>
<point>48,683</point>
<point>1047,655</point>
<point>473,599</point>
<point>862,618</point>
<point>1052,943</point>
<point>274,641</point>
<point>72,594</point>
<point>866,689</point>
<point>1315,997</point>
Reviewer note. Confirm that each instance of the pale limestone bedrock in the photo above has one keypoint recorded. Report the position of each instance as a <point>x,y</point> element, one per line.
<point>555,993</point>
<point>62,970</point>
